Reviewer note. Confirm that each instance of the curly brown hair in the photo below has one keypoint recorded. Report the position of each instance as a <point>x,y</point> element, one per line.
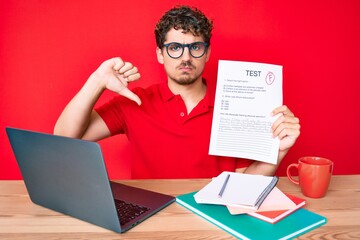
<point>186,18</point>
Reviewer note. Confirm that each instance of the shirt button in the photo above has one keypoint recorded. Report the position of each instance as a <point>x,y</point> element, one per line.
<point>182,114</point>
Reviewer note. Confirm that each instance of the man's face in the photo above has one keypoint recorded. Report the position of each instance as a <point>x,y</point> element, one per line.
<point>186,69</point>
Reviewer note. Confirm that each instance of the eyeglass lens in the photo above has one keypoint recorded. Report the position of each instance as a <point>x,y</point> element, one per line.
<point>176,50</point>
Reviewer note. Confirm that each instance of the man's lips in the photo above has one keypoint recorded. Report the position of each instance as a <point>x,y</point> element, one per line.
<point>186,68</point>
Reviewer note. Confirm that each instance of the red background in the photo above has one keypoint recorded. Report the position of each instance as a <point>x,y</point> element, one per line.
<point>49,48</point>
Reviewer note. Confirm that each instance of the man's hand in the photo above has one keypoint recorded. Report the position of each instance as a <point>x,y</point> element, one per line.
<point>115,75</point>
<point>286,127</point>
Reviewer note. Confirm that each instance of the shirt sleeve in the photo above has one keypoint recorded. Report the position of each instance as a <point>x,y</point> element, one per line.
<point>113,115</point>
<point>243,163</point>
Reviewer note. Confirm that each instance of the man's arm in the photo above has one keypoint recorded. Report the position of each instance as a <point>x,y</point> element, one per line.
<point>287,128</point>
<point>79,120</point>
<point>263,168</point>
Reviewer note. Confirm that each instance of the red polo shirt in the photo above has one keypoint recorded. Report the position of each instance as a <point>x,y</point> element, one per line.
<point>167,142</point>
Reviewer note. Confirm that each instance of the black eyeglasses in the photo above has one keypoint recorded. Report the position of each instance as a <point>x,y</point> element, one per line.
<point>176,50</point>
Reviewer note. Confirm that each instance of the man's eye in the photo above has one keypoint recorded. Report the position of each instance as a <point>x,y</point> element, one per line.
<point>174,48</point>
<point>195,47</point>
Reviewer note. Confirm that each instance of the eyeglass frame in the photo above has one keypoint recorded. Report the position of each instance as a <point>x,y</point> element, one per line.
<point>183,46</point>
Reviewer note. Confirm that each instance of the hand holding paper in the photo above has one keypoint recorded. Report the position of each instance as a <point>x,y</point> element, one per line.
<point>286,127</point>
<point>246,94</point>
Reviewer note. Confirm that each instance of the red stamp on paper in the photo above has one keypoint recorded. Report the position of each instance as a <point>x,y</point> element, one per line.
<point>270,78</point>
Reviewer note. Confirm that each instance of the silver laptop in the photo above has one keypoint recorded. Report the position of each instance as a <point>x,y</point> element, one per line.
<point>69,176</point>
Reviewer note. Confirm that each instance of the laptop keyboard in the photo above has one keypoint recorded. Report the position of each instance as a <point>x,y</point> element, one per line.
<point>128,211</point>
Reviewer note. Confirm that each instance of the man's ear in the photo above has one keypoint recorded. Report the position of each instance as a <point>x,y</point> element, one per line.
<point>159,55</point>
<point>208,52</point>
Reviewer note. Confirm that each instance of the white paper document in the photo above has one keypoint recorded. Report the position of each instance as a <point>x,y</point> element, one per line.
<point>246,94</point>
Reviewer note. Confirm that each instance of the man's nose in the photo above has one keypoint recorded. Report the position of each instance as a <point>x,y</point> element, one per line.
<point>186,54</point>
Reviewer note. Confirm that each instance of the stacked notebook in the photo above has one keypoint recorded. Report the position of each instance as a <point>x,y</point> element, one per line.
<point>276,206</point>
<point>237,189</point>
<point>278,216</point>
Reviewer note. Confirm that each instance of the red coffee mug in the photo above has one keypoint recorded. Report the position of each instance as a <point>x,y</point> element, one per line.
<point>314,175</point>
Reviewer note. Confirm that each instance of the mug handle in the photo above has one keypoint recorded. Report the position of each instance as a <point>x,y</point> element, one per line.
<point>289,175</point>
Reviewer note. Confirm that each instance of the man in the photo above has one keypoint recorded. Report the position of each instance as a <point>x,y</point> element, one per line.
<point>167,124</point>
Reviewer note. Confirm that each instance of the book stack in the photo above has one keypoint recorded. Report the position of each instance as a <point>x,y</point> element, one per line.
<point>275,207</point>
<point>251,207</point>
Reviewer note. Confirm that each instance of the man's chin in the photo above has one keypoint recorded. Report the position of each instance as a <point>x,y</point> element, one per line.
<point>186,81</point>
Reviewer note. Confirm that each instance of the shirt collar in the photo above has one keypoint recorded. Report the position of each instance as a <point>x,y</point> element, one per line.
<point>167,95</point>
<point>165,92</point>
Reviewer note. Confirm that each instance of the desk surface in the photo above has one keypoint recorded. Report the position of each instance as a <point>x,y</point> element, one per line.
<point>21,219</point>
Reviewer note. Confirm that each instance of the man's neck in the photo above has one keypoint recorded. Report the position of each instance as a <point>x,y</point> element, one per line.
<point>191,94</point>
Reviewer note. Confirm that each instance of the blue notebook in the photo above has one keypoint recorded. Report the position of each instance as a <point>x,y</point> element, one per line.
<point>246,227</point>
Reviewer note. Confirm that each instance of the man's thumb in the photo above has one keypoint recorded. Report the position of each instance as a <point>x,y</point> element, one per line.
<point>130,95</point>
